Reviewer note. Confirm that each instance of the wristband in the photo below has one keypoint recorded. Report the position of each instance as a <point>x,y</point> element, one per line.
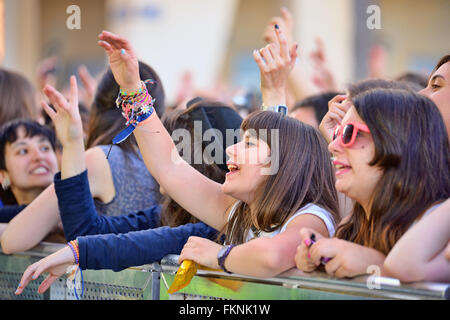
<point>279,108</point>
<point>222,256</point>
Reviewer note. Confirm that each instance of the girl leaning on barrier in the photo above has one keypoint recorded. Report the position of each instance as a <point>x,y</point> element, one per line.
<point>391,155</point>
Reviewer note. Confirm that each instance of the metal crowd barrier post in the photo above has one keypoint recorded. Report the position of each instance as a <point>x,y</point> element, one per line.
<point>150,282</point>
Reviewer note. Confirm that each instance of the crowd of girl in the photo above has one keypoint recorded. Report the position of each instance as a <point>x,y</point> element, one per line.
<point>369,186</point>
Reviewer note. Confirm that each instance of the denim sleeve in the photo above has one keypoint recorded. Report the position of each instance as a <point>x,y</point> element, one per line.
<point>10,211</point>
<point>118,252</point>
<point>79,216</point>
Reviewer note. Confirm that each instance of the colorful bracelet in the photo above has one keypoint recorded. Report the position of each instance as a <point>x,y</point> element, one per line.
<point>73,245</point>
<point>136,108</point>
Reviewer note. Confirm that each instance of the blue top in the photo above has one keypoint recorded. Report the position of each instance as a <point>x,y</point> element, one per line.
<point>10,211</point>
<point>135,187</point>
<point>118,242</point>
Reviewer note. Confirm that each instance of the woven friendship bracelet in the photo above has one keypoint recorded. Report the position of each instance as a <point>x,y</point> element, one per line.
<point>136,109</point>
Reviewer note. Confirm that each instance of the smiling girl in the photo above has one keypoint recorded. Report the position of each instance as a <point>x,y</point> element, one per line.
<point>392,157</point>
<point>28,160</point>
<point>269,209</point>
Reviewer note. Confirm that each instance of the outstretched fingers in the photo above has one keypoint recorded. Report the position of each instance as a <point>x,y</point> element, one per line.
<point>28,275</point>
<point>49,110</point>
<point>55,97</point>
<point>115,41</point>
<point>73,92</point>
<point>48,281</point>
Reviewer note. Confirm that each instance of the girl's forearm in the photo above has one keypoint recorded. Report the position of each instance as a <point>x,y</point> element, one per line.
<point>420,244</point>
<point>256,258</point>
<point>32,224</point>
<point>156,146</point>
<point>202,197</point>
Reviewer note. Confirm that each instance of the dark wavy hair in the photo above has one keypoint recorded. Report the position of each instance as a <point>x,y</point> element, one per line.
<point>411,147</point>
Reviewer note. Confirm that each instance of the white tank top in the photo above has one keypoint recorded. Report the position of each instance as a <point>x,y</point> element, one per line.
<point>310,208</point>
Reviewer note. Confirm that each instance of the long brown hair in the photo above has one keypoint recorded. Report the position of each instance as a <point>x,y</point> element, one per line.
<point>305,175</point>
<point>411,147</point>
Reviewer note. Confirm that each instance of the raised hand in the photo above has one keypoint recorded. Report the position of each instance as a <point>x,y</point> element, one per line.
<point>66,118</point>
<point>55,264</point>
<point>122,60</point>
<point>275,62</point>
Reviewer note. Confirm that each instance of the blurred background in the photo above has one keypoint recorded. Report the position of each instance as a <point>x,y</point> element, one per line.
<point>209,43</point>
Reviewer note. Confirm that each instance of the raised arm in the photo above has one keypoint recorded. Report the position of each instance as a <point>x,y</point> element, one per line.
<point>275,62</point>
<point>199,195</point>
<point>32,224</point>
<point>299,82</point>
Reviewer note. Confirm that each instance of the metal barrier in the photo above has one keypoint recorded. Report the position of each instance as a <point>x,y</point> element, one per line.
<point>150,282</point>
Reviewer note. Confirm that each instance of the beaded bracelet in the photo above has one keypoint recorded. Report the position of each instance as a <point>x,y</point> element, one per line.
<point>73,245</point>
<point>136,108</point>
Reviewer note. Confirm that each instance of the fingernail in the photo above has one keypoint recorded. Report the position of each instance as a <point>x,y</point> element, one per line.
<point>34,277</point>
<point>307,242</point>
<point>122,51</point>
<point>277,26</point>
<point>309,255</point>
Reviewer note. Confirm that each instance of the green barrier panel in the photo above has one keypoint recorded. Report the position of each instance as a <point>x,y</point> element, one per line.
<point>150,282</point>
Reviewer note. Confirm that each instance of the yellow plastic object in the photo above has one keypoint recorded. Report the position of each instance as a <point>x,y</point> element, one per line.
<point>184,275</point>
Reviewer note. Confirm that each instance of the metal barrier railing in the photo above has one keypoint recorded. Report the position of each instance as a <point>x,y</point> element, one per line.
<point>150,282</point>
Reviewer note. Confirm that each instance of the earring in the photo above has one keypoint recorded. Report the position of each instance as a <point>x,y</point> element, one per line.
<point>6,183</point>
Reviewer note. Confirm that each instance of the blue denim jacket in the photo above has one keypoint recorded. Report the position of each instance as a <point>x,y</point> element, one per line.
<point>118,242</point>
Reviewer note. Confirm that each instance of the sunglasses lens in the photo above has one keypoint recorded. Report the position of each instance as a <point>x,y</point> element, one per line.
<point>335,133</point>
<point>347,133</point>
